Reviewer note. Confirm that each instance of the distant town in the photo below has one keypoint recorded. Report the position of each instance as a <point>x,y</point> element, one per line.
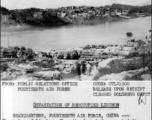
<point>71,14</point>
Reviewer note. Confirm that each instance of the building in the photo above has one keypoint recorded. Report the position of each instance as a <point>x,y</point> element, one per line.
<point>125,12</point>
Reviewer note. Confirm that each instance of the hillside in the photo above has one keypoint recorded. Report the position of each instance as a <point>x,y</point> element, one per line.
<point>66,15</point>
<point>143,9</point>
<point>121,6</point>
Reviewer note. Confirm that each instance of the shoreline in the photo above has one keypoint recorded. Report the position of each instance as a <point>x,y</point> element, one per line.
<point>97,20</point>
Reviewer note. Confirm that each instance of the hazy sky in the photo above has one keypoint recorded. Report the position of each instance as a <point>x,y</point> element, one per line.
<point>18,4</point>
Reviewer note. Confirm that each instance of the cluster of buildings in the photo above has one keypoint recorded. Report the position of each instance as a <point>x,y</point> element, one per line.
<point>65,13</point>
<point>132,48</point>
<point>89,12</point>
<point>72,13</point>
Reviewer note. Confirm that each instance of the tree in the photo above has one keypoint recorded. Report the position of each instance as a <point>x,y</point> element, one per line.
<point>68,56</point>
<point>22,51</point>
<point>16,48</point>
<point>5,52</point>
<point>11,52</point>
<point>29,53</point>
<point>4,10</point>
<point>23,48</point>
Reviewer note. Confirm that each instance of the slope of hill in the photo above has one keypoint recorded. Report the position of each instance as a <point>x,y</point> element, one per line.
<point>121,6</point>
<point>145,8</point>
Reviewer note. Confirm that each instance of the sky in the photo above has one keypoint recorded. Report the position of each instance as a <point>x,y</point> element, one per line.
<point>21,4</point>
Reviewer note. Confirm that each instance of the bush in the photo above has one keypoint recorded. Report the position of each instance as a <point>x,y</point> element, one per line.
<point>133,65</point>
<point>131,55</point>
<point>118,66</point>
<point>45,64</point>
<point>135,77</point>
<point>4,67</point>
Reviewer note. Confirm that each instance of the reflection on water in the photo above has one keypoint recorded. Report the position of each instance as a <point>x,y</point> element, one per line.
<point>107,32</point>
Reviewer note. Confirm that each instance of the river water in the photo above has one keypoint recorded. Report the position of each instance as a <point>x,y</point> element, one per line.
<point>109,32</point>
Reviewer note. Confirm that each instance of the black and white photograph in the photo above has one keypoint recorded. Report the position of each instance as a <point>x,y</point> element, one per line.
<point>76,40</point>
<point>76,59</point>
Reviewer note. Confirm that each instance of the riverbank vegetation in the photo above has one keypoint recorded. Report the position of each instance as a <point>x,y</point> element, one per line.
<point>123,65</point>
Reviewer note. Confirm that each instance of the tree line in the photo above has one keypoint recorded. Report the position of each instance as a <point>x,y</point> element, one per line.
<point>17,52</point>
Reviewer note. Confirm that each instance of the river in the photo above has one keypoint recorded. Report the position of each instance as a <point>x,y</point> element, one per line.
<point>71,36</point>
